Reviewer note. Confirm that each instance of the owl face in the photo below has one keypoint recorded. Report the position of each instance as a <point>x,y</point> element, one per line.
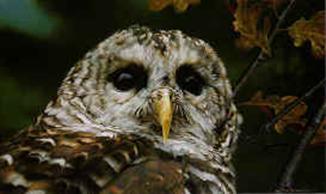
<point>153,83</point>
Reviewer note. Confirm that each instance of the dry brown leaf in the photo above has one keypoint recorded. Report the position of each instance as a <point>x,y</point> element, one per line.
<point>179,5</point>
<point>246,22</point>
<point>312,30</point>
<point>293,117</point>
<point>277,104</point>
<point>320,136</point>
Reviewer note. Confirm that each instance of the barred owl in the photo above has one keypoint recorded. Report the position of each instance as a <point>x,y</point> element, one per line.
<point>143,112</point>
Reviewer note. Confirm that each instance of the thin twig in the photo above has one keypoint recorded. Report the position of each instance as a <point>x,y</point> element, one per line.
<point>286,182</point>
<point>254,139</point>
<point>291,106</point>
<point>261,57</point>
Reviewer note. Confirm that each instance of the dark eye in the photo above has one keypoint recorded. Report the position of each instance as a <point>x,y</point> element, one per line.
<point>130,77</point>
<point>188,79</point>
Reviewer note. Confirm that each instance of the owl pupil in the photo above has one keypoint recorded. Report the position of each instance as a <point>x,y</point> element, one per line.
<point>188,79</point>
<point>131,77</point>
<point>124,81</point>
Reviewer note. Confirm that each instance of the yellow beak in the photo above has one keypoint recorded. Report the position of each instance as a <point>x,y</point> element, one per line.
<point>164,112</point>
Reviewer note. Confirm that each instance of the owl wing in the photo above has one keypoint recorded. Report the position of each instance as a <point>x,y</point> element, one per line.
<point>57,161</point>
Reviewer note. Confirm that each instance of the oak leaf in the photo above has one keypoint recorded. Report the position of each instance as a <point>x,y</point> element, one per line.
<point>277,104</point>
<point>179,5</point>
<point>320,136</point>
<point>293,117</point>
<point>312,30</point>
<point>247,19</point>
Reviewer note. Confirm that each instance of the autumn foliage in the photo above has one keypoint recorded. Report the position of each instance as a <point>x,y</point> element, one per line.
<point>254,27</point>
<point>253,22</point>
<point>313,31</point>
<point>247,17</point>
<point>276,104</point>
<point>295,118</point>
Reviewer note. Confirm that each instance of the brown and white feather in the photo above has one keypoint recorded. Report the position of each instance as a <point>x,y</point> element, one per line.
<point>93,138</point>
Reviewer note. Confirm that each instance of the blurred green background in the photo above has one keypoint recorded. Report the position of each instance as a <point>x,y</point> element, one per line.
<point>41,40</point>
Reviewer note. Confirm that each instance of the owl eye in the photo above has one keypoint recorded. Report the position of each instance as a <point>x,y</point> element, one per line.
<point>190,80</point>
<point>130,77</point>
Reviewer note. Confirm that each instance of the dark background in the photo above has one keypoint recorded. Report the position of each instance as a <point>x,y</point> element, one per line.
<point>41,40</point>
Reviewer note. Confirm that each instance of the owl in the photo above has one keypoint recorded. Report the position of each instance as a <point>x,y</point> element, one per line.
<point>144,112</point>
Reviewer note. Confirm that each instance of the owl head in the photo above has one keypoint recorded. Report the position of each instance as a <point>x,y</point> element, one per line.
<point>164,85</point>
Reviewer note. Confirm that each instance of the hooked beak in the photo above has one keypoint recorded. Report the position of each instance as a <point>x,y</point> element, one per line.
<point>164,111</point>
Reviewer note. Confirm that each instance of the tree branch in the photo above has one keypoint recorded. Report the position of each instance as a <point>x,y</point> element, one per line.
<point>291,106</point>
<point>286,181</point>
<point>261,57</point>
<point>254,139</point>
